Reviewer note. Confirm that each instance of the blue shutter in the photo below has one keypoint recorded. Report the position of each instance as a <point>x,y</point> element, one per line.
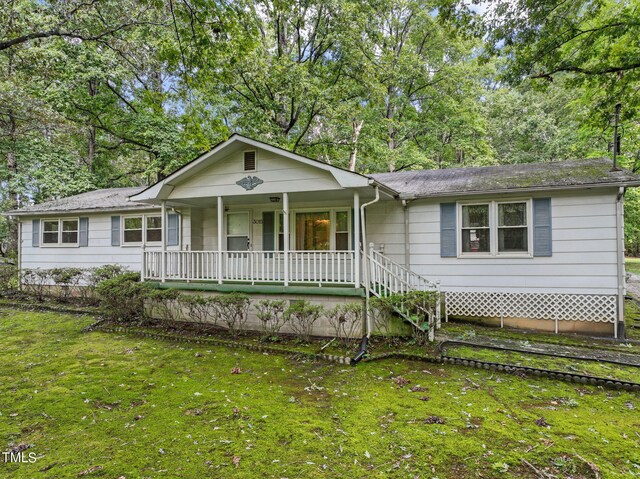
<point>448,233</point>
<point>83,232</point>
<point>268,231</point>
<point>115,231</point>
<point>35,233</point>
<point>542,243</point>
<point>173,229</point>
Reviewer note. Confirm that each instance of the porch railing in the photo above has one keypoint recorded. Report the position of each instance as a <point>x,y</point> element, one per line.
<point>390,278</point>
<point>321,267</point>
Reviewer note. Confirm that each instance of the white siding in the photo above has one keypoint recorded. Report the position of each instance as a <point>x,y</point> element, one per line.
<point>584,248</point>
<point>99,252</point>
<point>277,172</point>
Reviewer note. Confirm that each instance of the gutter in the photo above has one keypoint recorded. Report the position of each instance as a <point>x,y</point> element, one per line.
<point>518,191</point>
<point>40,214</point>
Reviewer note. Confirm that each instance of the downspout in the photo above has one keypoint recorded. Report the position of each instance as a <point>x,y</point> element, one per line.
<point>407,251</point>
<point>366,270</point>
<point>619,329</point>
<point>19,254</point>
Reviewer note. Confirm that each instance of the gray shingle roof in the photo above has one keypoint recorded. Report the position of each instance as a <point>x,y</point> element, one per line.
<point>507,178</point>
<point>98,200</point>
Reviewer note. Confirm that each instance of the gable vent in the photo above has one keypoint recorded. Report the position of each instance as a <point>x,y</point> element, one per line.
<point>249,160</point>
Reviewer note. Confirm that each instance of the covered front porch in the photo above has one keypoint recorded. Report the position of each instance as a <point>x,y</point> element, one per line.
<point>278,239</point>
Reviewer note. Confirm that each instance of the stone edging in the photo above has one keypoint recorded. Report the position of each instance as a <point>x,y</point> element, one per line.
<point>220,342</point>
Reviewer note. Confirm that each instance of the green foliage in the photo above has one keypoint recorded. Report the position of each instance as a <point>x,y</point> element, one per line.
<point>122,297</point>
<point>164,304</point>
<point>199,309</point>
<point>36,282</point>
<point>346,321</point>
<point>271,313</point>
<point>301,316</point>
<point>232,310</point>
<point>9,279</point>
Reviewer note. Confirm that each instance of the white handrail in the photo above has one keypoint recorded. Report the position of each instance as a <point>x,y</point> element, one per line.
<point>389,278</point>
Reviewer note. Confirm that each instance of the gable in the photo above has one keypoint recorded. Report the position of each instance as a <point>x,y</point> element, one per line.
<point>276,172</point>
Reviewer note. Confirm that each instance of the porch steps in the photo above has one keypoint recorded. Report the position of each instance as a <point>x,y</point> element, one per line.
<point>389,278</point>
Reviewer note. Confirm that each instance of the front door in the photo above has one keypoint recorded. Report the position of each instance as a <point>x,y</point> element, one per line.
<point>238,231</point>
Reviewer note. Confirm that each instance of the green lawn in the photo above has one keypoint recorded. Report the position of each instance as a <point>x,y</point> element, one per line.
<point>632,265</point>
<point>106,405</point>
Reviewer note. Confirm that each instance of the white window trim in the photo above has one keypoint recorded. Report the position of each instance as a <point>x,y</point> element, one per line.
<point>493,229</point>
<point>59,244</point>
<point>144,241</point>
<point>256,160</point>
<point>332,221</point>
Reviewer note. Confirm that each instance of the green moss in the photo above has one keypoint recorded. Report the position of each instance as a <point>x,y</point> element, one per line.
<point>149,408</point>
<point>590,368</point>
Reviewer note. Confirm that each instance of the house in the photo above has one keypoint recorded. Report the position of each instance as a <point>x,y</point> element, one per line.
<point>533,245</point>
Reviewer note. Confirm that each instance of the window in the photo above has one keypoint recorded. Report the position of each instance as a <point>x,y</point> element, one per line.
<point>512,228</point>
<point>154,229</point>
<point>476,235</point>
<point>60,232</point>
<point>494,228</point>
<point>313,231</point>
<point>137,228</point>
<point>249,161</point>
<point>133,229</point>
<point>342,230</point>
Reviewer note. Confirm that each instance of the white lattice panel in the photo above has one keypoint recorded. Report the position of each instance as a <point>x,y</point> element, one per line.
<point>564,307</point>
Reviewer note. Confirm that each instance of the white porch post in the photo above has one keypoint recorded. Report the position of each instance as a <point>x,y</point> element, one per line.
<point>220,226</point>
<point>285,228</point>
<point>164,240</point>
<point>356,238</point>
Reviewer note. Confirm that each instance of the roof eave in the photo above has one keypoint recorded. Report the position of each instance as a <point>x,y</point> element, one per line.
<point>625,184</point>
<point>78,211</point>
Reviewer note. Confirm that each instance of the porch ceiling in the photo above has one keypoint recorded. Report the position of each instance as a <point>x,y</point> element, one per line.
<point>366,194</point>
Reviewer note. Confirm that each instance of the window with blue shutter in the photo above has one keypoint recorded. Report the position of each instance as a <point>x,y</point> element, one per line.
<point>448,232</point>
<point>542,241</point>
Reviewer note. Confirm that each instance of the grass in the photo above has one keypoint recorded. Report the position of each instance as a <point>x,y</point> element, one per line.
<point>108,405</point>
<point>632,265</point>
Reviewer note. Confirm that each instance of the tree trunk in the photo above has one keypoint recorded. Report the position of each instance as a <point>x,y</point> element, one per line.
<point>91,145</point>
<point>355,134</point>
<point>12,173</point>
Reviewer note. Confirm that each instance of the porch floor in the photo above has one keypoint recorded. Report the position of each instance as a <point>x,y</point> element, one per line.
<point>262,288</point>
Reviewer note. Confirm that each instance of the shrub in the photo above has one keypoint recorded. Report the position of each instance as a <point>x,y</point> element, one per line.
<point>123,297</point>
<point>66,281</point>
<point>346,320</point>
<point>381,310</point>
<point>164,304</point>
<point>271,315</point>
<point>233,310</point>
<point>199,309</point>
<point>9,279</point>
<point>302,315</point>
<point>94,276</point>
<point>421,306</point>
<point>37,282</point>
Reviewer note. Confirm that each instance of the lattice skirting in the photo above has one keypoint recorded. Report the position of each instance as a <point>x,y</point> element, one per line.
<point>565,307</point>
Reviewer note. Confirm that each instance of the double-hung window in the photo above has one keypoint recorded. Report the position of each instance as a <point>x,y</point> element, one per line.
<point>141,229</point>
<point>495,228</point>
<point>60,232</point>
